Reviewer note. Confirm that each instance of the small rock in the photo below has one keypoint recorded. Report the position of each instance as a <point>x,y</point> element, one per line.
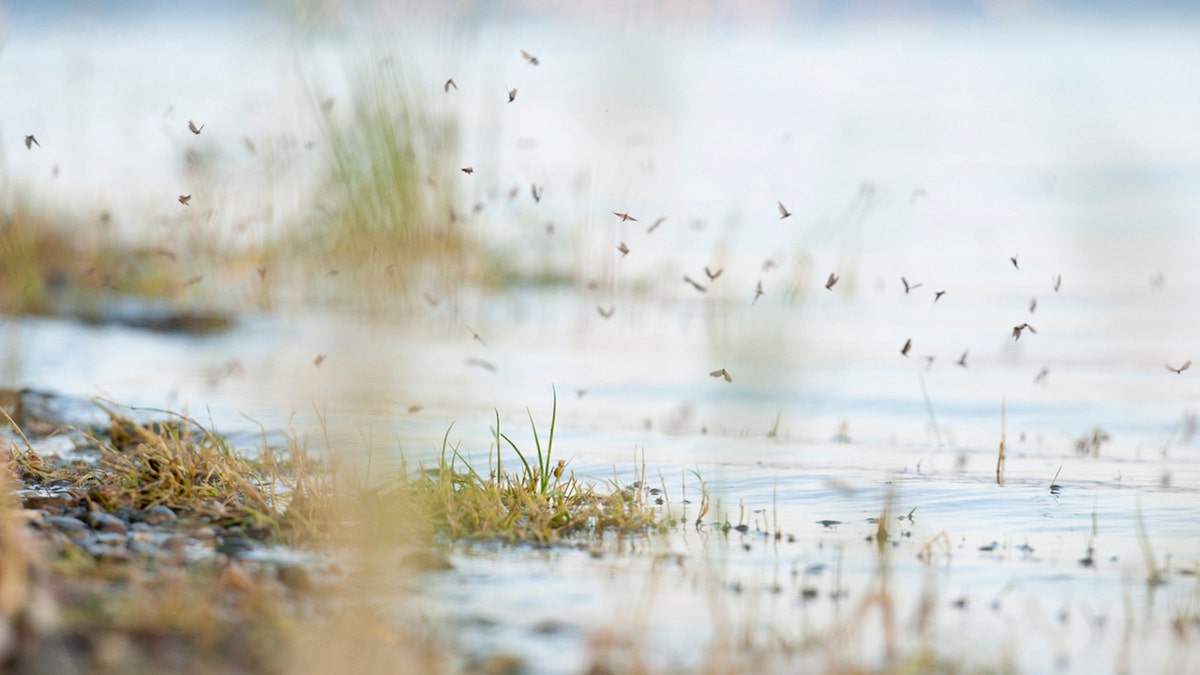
<point>128,514</point>
<point>50,501</point>
<point>158,514</point>
<point>205,534</point>
<point>146,549</point>
<point>65,523</point>
<point>108,553</point>
<point>116,556</point>
<point>103,522</point>
<point>110,538</point>
<point>235,546</point>
<point>75,512</point>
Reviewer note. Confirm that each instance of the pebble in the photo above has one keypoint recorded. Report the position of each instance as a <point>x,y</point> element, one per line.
<point>108,552</point>
<point>65,523</point>
<point>142,535</point>
<point>158,514</point>
<point>148,549</point>
<point>103,522</point>
<point>46,500</point>
<point>111,538</point>
<point>235,546</point>
<point>127,514</point>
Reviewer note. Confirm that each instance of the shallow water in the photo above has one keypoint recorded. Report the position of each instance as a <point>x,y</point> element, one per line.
<point>929,150</point>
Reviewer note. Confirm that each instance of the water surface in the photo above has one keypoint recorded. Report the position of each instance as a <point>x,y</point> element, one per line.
<point>931,151</point>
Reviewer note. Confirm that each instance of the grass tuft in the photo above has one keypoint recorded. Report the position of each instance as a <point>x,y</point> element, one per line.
<point>384,214</point>
<point>184,467</point>
<point>541,502</point>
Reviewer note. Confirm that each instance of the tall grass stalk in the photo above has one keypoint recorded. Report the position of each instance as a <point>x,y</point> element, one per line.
<point>537,476</point>
<point>385,208</point>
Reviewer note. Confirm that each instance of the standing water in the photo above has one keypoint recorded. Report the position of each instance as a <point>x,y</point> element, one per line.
<point>959,176</point>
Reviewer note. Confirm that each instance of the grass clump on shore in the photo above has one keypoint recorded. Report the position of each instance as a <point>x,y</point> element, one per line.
<point>537,501</point>
<point>181,465</point>
<point>191,470</point>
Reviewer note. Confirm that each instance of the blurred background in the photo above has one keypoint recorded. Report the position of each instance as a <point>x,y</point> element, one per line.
<point>781,247</point>
<point>331,223</point>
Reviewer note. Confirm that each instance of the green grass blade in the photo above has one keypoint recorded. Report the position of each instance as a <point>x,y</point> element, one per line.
<point>538,443</point>
<point>445,442</point>
<point>521,456</point>
<point>550,440</point>
<point>499,464</point>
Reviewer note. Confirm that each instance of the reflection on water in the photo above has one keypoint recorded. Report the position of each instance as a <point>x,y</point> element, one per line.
<point>937,152</point>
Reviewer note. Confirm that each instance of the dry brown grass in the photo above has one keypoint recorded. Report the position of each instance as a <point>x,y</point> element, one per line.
<point>48,265</point>
<point>181,465</point>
